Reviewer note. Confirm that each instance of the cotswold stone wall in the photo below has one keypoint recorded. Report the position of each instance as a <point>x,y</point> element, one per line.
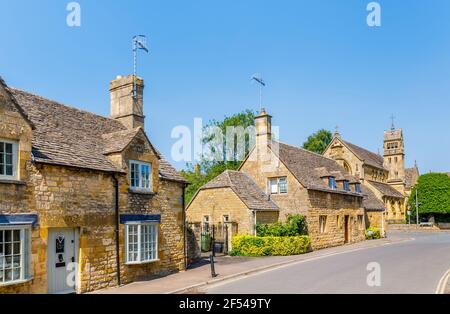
<point>312,204</point>
<point>294,202</point>
<point>335,207</point>
<point>374,219</point>
<point>71,198</point>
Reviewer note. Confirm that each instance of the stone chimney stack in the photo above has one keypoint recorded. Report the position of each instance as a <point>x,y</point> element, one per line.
<point>263,124</point>
<point>124,107</point>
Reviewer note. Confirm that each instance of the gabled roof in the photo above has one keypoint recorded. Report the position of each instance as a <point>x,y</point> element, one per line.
<point>371,159</point>
<point>71,137</point>
<point>310,168</point>
<point>386,189</point>
<point>370,201</point>
<point>411,176</point>
<point>16,107</point>
<point>245,188</point>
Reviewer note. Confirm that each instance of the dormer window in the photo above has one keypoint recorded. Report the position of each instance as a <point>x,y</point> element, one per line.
<point>346,186</point>
<point>332,183</point>
<point>141,176</point>
<point>8,160</point>
<point>358,187</point>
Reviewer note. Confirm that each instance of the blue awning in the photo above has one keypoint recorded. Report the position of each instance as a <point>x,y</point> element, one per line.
<point>139,218</point>
<point>18,220</point>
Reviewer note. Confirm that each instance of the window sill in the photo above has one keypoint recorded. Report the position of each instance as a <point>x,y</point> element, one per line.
<point>142,263</point>
<point>12,181</point>
<point>15,283</point>
<point>142,192</point>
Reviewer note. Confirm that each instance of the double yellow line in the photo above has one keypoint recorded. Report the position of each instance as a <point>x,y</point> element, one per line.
<point>443,283</point>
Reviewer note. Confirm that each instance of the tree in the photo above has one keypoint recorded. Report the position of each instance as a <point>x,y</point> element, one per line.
<point>433,191</point>
<point>206,170</point>
<point>319,141</point>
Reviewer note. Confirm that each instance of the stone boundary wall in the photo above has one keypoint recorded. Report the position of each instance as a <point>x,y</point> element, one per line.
<point>414,228</point>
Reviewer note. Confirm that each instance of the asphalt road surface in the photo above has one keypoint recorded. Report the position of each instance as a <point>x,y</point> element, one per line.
<point>414,266</point>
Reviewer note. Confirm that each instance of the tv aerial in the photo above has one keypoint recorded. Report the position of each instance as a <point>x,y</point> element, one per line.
<point>139,43</point>
<point>258,79</point>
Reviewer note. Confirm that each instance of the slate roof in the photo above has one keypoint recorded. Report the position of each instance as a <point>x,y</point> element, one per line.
<point>370,201</point>
<point>411,176</point>
<point>371,159</point>
<point>71,137</point>
<point>386,189</point>
<point>245,188</point>
<point>309,168</point>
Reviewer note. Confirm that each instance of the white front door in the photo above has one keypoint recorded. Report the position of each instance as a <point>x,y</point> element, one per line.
<point>62,256</point>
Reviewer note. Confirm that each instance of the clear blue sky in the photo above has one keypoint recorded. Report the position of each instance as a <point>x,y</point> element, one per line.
<point>323,64</point>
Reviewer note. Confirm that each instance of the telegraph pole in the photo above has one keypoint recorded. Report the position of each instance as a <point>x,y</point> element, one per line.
<point>417,207</point>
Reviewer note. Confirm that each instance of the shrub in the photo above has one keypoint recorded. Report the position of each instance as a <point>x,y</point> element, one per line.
<point>373,233</point>
<point>270,246</point>
<point>434,197</point>
<point>294,226</point>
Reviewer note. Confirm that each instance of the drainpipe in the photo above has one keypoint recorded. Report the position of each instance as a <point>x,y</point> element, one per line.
<point>116,211</point>
<point>183,202</point>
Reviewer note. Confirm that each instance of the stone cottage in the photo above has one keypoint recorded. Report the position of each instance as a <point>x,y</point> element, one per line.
<point>386,181</point>
<point>295,181</point>
<point>86,202</point>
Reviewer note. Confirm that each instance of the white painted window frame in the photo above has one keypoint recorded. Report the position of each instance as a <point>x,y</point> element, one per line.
<point>15,165</point>
<point>139,187</point>
<point>278,192</point>
<point>140,259</point>
<point>25,254</point>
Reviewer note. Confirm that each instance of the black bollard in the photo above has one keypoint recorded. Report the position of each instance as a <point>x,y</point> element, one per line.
<point>213,269</point>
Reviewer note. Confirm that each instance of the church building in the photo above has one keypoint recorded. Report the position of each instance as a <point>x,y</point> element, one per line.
<point>384,177</point>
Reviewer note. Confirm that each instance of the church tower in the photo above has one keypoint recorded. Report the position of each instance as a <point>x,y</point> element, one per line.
<point>394,157</point>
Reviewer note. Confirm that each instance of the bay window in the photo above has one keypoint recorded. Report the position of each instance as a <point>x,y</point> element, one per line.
<point>141,242</point>
<point>15,246</point>
<point>8,159</point>
<point>141,176</point>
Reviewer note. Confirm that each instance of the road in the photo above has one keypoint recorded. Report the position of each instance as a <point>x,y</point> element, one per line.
<point>414,266</point>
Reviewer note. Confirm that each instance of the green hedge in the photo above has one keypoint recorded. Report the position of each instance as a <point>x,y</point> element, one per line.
<point>373,233</point>
<point>270,246</point>
<point>295,226</point>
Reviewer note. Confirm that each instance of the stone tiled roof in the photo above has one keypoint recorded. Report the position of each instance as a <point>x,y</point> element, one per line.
<point>116,142</point>
<point>411,176</point>
<point>386,189</point>
<point>309,168</point>
<point>16,107</point>
<point>245,188</point>
<point>71,137</point>
<point>370,201</point>
<point>368,157</point>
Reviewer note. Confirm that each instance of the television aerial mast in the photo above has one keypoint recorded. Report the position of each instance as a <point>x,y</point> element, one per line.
<point>139,43</point>
<point>258,79</point>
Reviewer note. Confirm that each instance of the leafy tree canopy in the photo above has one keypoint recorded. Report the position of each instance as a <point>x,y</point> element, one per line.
<point>318,141</point>
<point>205,169</point>
<point>433,191</point>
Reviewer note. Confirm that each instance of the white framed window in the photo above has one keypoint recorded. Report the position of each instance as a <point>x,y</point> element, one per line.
<point>141,176</point>
<point>8,159</point>
<point>278,185</point>
<point>141,242</point>
<point>332,183</point>
<point>206,224</point>
<point>15,252</point>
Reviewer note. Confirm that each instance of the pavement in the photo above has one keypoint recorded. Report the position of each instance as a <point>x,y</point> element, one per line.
<point>419,266</point>
<point>230,268</point>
